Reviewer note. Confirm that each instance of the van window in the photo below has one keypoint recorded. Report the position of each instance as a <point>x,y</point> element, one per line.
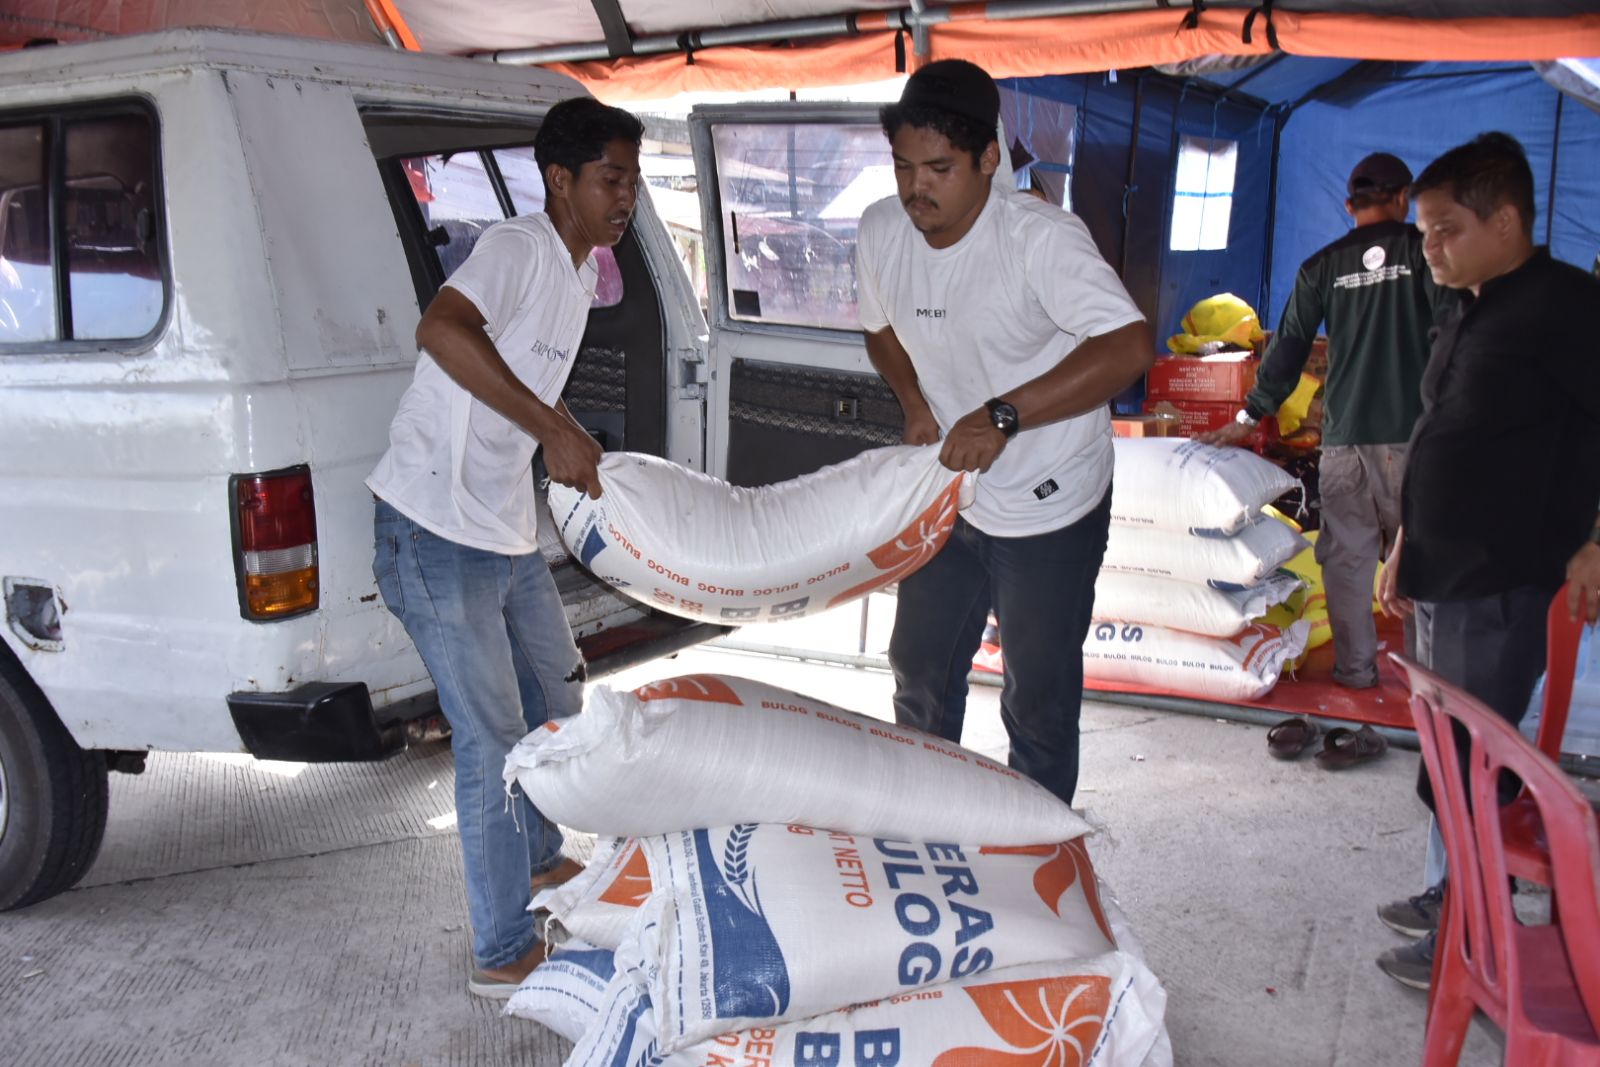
<point>457,203</point>
<point>792,197</point>
<point>459,194</point>
<point>89,221</point>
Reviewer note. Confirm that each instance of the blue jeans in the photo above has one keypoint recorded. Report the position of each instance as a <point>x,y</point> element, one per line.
<point>494,636</point>
<point>1041,589</point>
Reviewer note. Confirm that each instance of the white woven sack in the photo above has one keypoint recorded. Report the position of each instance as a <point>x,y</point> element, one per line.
<point>710,750</point>
<point>1105,1010</point>
<point>1188,487</point>
<point>756,924</point>
<point>597,905</point>
<point>698,547</point>
<point>1197,609</point>
<point>1234,562</point>
<point>566,991</point>
<point>1243,667</point>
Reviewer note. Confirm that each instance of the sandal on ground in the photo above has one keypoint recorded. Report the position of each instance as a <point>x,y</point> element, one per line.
<point>1291,737</point>
<point>1345,748</point>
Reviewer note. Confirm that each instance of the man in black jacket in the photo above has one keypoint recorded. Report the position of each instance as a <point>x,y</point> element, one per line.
<point>1502,483</point>
<point>1373,289</point>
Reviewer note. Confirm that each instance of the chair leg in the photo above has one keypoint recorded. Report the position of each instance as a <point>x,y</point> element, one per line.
<point>1449,1016</point>
<point>1449,1007</point>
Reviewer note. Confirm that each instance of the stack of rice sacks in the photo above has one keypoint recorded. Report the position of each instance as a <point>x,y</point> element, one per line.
<point>1191,564</point>
<point>781,881</point>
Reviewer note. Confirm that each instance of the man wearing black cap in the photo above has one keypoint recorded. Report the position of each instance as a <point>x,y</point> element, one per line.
<point>1373,289</point>
<point>1002,330</point>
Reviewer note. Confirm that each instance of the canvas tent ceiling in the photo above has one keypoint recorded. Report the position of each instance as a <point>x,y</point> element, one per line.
<point>1101,35</point>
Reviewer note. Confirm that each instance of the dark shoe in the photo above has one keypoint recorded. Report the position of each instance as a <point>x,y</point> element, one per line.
<point>1416,916</point>
<point>1291,737</point>
<point>1411,965</point>
<point>560,874</point>
<point>500,983</point>
<point>1344,747</point>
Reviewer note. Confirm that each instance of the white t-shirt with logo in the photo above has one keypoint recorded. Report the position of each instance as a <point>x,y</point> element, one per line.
<point>1000,307</point>
<point>455,465</point>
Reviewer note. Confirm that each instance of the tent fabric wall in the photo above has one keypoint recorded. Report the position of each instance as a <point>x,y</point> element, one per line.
<point>1131,221</point>
<point>1402,110</point>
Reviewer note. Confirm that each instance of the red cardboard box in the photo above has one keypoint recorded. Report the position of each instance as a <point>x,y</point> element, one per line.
<point>1316,362</point>
<point>1194,418</point>
<point>1225,379</point>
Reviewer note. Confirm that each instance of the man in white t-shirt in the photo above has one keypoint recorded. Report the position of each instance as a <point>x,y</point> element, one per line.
<point>1000,328</point>
<point>457,558</point>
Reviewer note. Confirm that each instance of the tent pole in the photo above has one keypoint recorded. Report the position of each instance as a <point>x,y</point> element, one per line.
<point>1128,186</point>
<point>1555,160</point>
<point>1264,307</point>
<point>907,18</point>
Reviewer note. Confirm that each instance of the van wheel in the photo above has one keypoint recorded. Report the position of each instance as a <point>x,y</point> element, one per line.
<point>53,796</point>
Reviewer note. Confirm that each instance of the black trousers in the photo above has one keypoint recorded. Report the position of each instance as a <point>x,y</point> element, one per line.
<point>1493,647</point>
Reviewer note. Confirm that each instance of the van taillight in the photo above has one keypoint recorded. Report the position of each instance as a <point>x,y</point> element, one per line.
<point>275,542</point>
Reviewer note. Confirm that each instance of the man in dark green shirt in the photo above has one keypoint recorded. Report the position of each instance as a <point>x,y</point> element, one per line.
<point>1373,289</point>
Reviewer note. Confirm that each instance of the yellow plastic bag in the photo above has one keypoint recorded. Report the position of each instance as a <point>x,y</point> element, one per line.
<point>1292,412</point>
<point>1224,318</point>
<point>1311,603</point>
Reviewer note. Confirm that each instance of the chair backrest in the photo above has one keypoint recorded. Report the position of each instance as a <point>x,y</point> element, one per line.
<point>1561,664</point>
<point>1473,835</point>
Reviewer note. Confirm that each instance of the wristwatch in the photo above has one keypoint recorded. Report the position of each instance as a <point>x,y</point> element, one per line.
<point>1244,418</point>
<point>1003,416</point>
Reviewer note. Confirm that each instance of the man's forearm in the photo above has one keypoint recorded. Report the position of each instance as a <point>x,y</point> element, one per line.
<point>1089,377</point>
<point>464,352</point>
<point>893,364</point>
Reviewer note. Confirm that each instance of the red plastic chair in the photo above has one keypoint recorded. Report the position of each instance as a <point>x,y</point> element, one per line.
<point>1527,851</point>
<point>1539,984</point>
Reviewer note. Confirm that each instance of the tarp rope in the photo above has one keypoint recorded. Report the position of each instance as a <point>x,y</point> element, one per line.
<point>1250,19</point>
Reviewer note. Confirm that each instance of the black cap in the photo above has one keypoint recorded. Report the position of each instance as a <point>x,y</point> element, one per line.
<point>1379,172</point>
<point>957,87</point>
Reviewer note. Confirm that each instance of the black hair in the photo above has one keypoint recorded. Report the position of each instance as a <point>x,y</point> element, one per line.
<point>1487,171</point>
<point>576,131</point>
<point>968,135</point>
<point>1375,195</point>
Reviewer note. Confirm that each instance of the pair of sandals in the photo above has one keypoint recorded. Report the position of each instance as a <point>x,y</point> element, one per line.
<point>1342,747</point>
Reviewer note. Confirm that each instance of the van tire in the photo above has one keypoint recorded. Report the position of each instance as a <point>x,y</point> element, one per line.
<point>53,796</point>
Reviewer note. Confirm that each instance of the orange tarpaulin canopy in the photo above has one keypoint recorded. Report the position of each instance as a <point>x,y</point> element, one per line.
<point>1083,43</point>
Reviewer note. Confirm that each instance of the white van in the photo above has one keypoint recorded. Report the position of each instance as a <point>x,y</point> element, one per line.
<point>214,248</point>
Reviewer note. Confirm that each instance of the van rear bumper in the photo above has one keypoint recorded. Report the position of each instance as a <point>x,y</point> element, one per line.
<point>334,722</point>
<point>320,722</point>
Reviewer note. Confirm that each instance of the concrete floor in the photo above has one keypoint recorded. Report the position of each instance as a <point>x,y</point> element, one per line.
<point>245,912</point>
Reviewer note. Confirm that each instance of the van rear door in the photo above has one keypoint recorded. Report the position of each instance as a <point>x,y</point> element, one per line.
<point>449,176</point>
<point>782,187</point>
